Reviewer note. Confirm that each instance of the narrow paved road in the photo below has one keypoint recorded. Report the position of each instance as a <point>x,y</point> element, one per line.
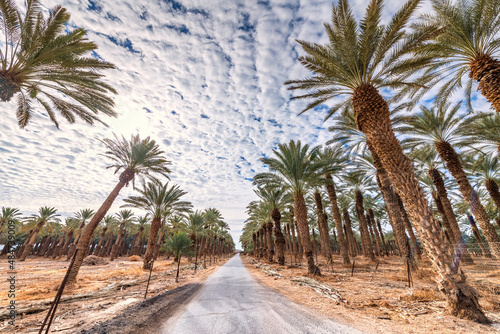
<point>231,301</point>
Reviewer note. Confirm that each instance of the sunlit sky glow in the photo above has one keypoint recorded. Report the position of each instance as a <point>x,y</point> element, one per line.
<point>203,78</point>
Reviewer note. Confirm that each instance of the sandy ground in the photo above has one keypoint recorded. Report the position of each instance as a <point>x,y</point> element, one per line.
<point>379,301</point>
<point>125,282</point>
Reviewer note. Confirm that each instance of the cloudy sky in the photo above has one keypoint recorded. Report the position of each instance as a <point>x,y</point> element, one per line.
<point>202,77</point>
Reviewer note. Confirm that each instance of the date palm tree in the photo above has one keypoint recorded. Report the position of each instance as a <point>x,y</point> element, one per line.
<point>179,244</point>
<point>295,166</point>
<point>44,62</point>
<point>195,228</point>
<point>82,215</point>
<point>488,168</point>
<point>276,198</point>
<point>45,214</point>
<point>358,60</point>
<point>465,49</point>
<point>136,157</point>
<point>443,128</point>
<point>125,217</point>
<point>156,198</point>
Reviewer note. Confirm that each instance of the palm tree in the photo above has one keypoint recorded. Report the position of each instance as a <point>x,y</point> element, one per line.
<point>295,167</point>
<point>488,168</point>
<point>45,214</point>
<point>157,198</point>
<point>106,222</point>
<point>275,198</point>
<point>125,217</point>
<point>359,60</point>
<point>195,227</point>
<point>142,222</point>
<point>179,244</point>
<point>8,214</point>
<point>137,157</point>
<point>337,158</point>
<point>466,46</point>
<point>42,62</point>
<point>484,131</point>
<point>82,215</point>
<point>442,128</point>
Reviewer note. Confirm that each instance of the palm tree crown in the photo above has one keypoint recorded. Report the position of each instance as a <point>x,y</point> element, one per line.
<point>41,61</point>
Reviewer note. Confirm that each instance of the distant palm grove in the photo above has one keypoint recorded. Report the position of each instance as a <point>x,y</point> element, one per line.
<point>396,177</point>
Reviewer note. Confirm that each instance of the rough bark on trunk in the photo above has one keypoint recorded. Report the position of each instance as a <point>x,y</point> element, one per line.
<point>409,227</point>
<point>492,188</point>
<point>279,240</point>
<point>300,211</point>
<point>150,248</point>
<point>350,234</point>
<point>373,225</point>
<point>29,246</point>
<point>486,70</point>
<point>484,246</point>
<point>270,244</point>
<point>373,119</point>
<point>363,227</point>
<point>324,237</point>
<point>84,242</point>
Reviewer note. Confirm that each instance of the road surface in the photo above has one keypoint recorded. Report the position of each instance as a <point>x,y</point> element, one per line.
<point>231,301</point>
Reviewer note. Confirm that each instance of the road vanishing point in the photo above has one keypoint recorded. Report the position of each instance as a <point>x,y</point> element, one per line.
<point>232,301</point>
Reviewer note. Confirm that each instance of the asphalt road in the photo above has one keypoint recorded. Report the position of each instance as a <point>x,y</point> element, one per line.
<point>231,301</point>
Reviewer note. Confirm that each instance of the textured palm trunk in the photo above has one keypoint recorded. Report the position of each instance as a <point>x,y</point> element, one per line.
<point>150,248</point>
<point>373,226</point>
<point>324,237</point>
<point>64,244</point>
<point>101,240</point>
<point>116,247</point>
<point>254,244</point>
<point>350,234</point>
<point>409,227</point>
<point>363,227</point>
<point>371,233</point>
<point>494,192</point>
<point>160,239</point>
<point>482,245</point>
<point>444,217</point>
<point>262,244</point>
<point>279,240</point>
<point>438,182</point>
<point>382,237</point>
<point>72,247</point>
<point>498,222</point>
<point>136,246</point>
<point>83,244</point>
<point>486,70</point>
<point>54,246</point>
<point>295,242</point>
<point>300,210</point>
<point>29,246</point>
<point>392,206</point>
<point>373,119</point>
<point>269,239</point>
<point>448,154</point>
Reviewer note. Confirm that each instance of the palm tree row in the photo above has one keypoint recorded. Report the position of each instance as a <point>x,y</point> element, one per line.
<point>402,60</point>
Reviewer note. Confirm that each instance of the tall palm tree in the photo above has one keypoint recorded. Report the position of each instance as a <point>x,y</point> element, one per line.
<point>125,217</point>
<point>336,158</point>
<point>276,198</point>
<point>358,60</point>
<point>82,215</point>
<point>295,166</point>
<point>195,227</point>
<point>179,244</point>
<point>466,46</point>
<point>488,168</point>
<point>442,128</point>
<point>156,198</point>
<point>42,62</point>
<point>136,157</point>
<point>45,214</point>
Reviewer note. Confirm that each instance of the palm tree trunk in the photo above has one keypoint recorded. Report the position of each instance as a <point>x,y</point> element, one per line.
<point>324,237</point>
<point>269,239</point>
<point>448,154</point>
<point>84,242</point>
<point>373,119</point>
<point>279,240</point>
<point>363,227</point>
<point>29,246</point>
<point>392,206</point>
<point>350,234</point>
<point>486,70</point>
<point>382,237</point>
<point>483,245</point>
<point>438,182</point>
<point>300,211</point>
<point>373,227</point>
<point>492,188</point>
<point>409,227</point>
<point>150,248</point>
<point>295,242</point>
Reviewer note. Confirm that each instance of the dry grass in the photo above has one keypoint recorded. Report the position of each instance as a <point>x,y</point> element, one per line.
<point>134,258</point>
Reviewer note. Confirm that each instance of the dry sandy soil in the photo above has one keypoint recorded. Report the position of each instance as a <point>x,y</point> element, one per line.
<point>379,301</point>
<point>114,290</point>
